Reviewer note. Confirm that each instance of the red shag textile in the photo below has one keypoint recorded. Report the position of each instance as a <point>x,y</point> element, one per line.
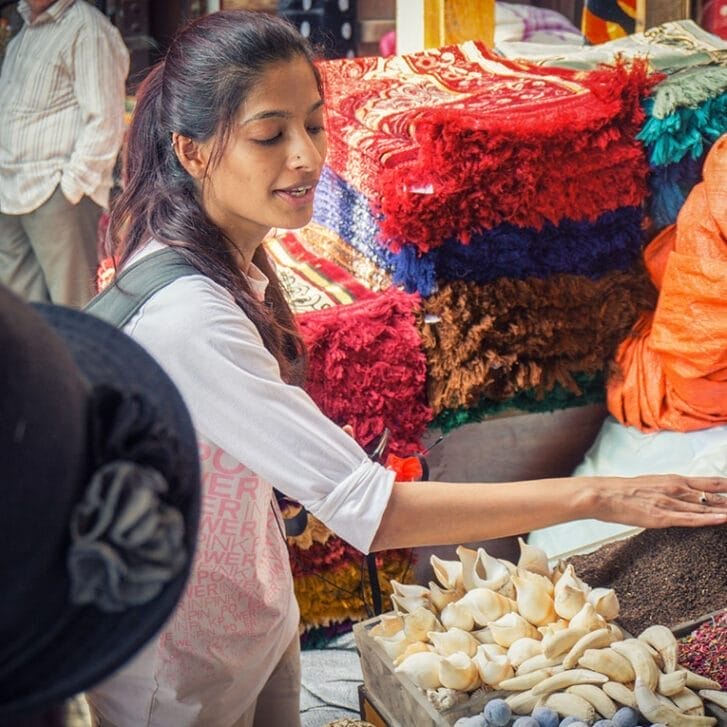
<point>451,140</point>
<point>367,368</point>
<point>320,558</point>
<point>497,340</point>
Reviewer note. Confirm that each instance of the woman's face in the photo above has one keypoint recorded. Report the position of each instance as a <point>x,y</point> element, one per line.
<point>268,172</point>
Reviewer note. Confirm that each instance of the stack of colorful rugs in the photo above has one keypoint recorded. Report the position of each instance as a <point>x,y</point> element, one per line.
<point>476,247</point>
<point>481,222</point>
<point>510,198</point>
<point>686,112</point>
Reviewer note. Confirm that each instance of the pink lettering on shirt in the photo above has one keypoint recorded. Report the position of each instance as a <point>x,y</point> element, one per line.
<point>241,585</point>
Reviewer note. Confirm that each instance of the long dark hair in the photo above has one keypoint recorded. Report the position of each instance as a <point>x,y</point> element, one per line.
<point>197,91</point>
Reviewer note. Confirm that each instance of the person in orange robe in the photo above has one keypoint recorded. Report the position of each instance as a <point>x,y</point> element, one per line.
<point>672,370</point>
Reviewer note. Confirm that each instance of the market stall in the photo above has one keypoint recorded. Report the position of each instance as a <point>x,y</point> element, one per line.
<point>474,265</point>
<point>393,217</point>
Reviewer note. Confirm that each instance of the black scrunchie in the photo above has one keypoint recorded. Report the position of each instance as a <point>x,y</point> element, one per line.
<point>125,426</point>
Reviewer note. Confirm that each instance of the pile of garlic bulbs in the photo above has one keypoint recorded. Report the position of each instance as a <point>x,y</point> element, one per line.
<point>540,633</point>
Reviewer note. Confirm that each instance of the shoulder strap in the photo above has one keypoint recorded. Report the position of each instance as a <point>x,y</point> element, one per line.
<point>118,303</point>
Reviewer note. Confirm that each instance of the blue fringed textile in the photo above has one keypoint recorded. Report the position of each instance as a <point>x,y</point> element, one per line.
<point>676,145</point>
<point>612,242</point>
<point>670,186</point>
<point>686,131</point>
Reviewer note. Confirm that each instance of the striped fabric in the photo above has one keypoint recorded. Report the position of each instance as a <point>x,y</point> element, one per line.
<point>61,106</point>
<point>605,20</point>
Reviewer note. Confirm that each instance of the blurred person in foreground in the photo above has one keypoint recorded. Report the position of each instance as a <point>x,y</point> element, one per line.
<point>100,505</point>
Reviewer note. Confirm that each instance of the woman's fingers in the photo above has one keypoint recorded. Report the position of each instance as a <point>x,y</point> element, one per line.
<point>707,490</point>
<point>708,484</point>
<point>676,519</point>
<point>702,490</point>
<point>709,498</point>
<point>704,498</point>
<point>680,483</point>
<point>704,508</point>
<point>657,501</point>
<point>675,511</point>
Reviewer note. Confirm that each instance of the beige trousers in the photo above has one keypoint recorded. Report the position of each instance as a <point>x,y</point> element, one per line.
<point>49,254</point>
<point>277,705</point>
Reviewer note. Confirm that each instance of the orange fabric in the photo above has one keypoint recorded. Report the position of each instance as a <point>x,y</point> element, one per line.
<point>673,366</point>
<point>408,469</point>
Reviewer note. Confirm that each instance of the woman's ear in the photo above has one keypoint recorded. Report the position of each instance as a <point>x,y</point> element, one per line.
<point>192,155</point>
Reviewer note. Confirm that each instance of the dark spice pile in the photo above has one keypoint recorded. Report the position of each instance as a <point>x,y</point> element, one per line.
<point>704,651</point>
<point>663,576</point>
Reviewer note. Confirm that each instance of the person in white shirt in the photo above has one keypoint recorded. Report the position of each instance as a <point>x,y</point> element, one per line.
<point>61,127</point>
<point>228,141</point>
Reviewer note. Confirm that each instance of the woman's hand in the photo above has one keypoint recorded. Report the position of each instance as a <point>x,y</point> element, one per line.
<point>659,501</point>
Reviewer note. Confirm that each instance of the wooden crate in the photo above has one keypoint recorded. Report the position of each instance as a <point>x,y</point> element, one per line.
<point>369,710</point>
<point>396,699</point>
<point>388,699</point>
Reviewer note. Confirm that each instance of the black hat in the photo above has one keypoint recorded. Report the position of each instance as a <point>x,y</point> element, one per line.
<point>99,502</point>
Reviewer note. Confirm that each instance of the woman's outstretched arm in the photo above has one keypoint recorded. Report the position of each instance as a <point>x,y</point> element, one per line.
<point>439,513</point>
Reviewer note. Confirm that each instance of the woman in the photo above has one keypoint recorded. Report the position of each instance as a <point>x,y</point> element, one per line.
<point>228,141</point>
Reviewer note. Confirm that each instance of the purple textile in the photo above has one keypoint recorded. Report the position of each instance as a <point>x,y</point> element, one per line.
<point>515,22</point>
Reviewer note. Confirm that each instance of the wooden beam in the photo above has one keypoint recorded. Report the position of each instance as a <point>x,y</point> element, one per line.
<point>453,21</point>
<point>655,12</point>
<point>424,24</point>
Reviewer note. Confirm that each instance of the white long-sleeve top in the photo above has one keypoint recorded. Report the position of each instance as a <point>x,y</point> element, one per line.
<point>61,107</point>
<point>239,613</point>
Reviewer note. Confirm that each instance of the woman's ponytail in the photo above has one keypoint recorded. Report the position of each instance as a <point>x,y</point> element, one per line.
<point>146,156</point>
<point>147,147</point>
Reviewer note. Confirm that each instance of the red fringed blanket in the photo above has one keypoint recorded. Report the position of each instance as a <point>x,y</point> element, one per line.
<point>367,368</point>
<point>450,140</point>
